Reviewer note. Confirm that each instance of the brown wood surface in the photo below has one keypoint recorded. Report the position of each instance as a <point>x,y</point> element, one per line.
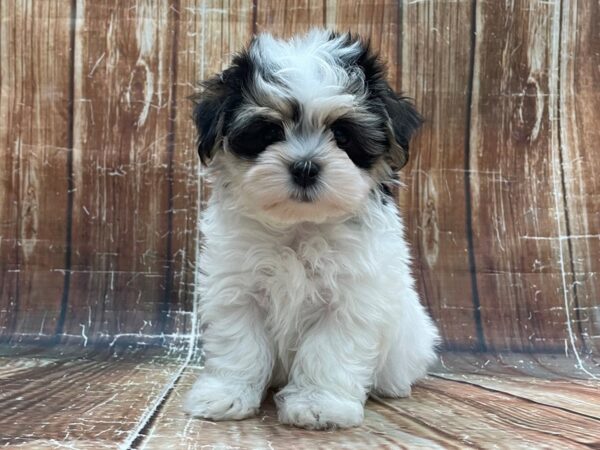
<point>123,398</point>
<point>210,32</point>
<point>514,178</point>
<point>121,236</point>
<point>34,152</point>
<point>582,399</point>
<point>440,414</point>
<point>540,365</point>
<point>84,401</point>
<point>100,189</point>
<point>436,71</point>
<point>375,20</point>
<point>579,115</point>
<point>289,17</point>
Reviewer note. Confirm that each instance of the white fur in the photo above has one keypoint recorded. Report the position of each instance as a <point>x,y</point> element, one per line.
<point>328,309</point>
<point>314,297</point>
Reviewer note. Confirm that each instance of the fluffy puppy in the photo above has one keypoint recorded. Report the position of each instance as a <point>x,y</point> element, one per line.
<point>306,282</point>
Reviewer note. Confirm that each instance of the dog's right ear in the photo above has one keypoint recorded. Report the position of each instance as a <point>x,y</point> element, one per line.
<point>215,103</point>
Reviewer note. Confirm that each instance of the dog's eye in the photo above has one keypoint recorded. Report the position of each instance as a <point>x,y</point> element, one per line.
<point>256,137</point>
<point>272,133</point>
<point>358,143</point>
<point>340,135</point>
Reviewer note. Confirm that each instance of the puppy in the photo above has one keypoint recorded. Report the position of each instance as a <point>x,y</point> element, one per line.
<point>305,273</point>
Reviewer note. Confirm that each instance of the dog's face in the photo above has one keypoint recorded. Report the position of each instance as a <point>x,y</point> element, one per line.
<point>303,130</point>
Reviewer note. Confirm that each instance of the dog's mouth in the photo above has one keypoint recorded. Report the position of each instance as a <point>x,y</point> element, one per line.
<point>309,195</point>
<point>303,207</point>
<point>303,197</point>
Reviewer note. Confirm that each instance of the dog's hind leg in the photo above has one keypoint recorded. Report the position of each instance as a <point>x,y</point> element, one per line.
<point>410,353</point>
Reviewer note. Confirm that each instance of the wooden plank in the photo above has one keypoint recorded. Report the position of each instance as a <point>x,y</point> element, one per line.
<point>10,367</point>
<point>583,399</point>
<point>542,366</point>
<point>173,428</point>
<point>491,419</point>
<point>289,17</point>
<point>514,179</point>
<point>83,402</point>
<point>121,236</point>
<point>182,174</point>
<point>210,32</point>
<point>376,20</point>
<point>579,115</point>
<point>435,69</point>
<point>34,146</point>
<point>440,414</point>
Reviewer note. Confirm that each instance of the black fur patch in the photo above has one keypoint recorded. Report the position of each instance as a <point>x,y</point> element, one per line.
<point>403,116</point>
<point>255,137</point>
<point>217,102</point>
<point>387,193</point>
<point>221,96</point>
<point>362,146</point>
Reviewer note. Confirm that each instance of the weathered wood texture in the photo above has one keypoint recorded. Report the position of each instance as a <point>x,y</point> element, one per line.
<point>121,398</point>
<point>86,401</point>
<point>579,111</point>
<point>121,272</point>
<point>100,187</point>
<point>35,140</point>
<point>435,69</point>
<point>515,177</point>
<point>464,412</point>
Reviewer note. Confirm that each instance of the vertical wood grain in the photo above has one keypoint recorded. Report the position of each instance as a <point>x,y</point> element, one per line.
<point>505,165</point>
<point>210,32</point>
<point>514,166</point>
<point>436,70</point>
<point>289,17</point>
<point>579,118</point>
<point>121,167</point>
<point>376,20</point>
<point>184,169</point>
<point>34,148</point>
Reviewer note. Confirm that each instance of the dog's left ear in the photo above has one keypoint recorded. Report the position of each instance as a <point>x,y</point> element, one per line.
<point>402,122</point>
<point>402,119</point>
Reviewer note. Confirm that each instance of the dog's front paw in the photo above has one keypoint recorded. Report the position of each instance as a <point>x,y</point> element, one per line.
<point>317,410</point>
<point>218,398</point>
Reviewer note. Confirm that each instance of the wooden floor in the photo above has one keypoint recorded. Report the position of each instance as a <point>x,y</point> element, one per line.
<point>124,398</point>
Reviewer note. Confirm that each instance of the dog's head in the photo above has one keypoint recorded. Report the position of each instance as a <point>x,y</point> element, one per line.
<point>303,130</point>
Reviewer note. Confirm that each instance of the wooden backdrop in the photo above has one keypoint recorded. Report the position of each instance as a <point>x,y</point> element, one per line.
<point>100,191</point>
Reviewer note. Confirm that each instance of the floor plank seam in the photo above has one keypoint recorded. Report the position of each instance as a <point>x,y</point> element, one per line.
<point>520,397</point>
<point>136,437</point>
<point>423,423</point>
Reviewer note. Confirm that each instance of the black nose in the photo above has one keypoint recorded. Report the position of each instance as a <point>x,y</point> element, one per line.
<point>305,173</point>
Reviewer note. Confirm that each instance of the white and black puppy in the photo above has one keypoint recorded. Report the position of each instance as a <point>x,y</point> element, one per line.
<point>306,281</point>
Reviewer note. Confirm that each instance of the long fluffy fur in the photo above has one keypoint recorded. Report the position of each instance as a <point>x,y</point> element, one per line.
<point>315,297</point>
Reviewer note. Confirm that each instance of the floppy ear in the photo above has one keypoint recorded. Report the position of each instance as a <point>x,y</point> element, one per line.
<point>209,115</point>
<point>403,121</point>
<point>216,101</point>
<point>402,118</point>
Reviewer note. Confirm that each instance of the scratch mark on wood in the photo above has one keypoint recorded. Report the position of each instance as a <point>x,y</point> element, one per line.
<point>83,335</point>
<point>96,66</point>
<point>558,196</point>
<point>562,238</point>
